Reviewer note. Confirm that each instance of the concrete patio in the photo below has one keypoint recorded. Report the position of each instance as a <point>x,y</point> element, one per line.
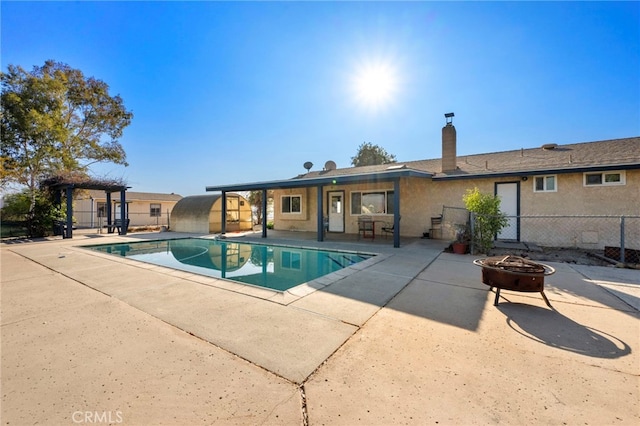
<point>411,337</point>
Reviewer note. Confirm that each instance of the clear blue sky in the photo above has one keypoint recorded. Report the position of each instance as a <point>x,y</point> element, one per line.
<point>248,91</point>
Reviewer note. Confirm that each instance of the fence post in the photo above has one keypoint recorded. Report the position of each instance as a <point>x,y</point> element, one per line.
<point>622,260</point>
<point>472,226</point>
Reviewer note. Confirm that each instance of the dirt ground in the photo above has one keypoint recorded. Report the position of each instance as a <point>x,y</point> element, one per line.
<point>564,255</point>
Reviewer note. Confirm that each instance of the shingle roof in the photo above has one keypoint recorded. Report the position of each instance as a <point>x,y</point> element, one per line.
<point>623,153</point>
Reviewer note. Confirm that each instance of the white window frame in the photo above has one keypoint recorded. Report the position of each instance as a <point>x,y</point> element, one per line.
<point>152,209</point>
<point>101,209</point>
<point>544,183</point>
<point>603,178</point>
<point>282,197</point>
<point>387,193</point>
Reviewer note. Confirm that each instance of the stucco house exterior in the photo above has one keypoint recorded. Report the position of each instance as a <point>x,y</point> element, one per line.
<point>589,178</point>
<point>143,208</point>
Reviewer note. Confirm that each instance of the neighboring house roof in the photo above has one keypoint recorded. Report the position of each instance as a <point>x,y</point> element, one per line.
<point>134,196</point>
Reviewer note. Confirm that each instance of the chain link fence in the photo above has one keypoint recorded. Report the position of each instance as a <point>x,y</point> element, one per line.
<point>454,219</point>
<point>87,219</point>
<point>13,228</point>
<point>17,227</point>
<point>616,237</point>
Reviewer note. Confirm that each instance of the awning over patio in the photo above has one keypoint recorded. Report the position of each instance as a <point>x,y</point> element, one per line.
<point>390,175</point>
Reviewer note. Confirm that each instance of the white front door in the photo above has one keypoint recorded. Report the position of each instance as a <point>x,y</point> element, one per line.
<point>508,193</point>
<point>336,212</point>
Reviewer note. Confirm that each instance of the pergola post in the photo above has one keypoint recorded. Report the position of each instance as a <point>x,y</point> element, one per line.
<point>123,212</point>
<point>69,231</point>
<point>108,212</point>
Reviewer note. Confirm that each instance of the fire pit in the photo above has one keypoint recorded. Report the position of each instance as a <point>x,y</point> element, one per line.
<point>514,273</point>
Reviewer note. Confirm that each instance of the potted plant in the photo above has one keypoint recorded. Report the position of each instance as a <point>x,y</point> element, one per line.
<point>461,243</point>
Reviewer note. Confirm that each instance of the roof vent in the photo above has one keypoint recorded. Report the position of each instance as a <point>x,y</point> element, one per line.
<point>330,165</point>
<point>397,166</point>
<point>549,146</point>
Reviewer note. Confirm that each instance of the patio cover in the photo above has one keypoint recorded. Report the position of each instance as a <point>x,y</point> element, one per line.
<point>393,175</point>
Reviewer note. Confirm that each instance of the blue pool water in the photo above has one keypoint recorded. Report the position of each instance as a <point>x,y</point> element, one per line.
<point>275,267</point>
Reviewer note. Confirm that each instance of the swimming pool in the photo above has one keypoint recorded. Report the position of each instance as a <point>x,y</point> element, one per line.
<point>275,267</point>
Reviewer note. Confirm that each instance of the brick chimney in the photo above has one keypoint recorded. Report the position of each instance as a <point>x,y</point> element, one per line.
<point>449,145</point>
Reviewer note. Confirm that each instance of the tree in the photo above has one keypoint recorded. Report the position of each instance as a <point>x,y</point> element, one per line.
<point>255,199</point>
<point>370,155</point>
<point>55,120</point>
<point>488,219</point>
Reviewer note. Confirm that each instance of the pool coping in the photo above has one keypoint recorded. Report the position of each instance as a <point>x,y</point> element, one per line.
<point>285,297</point>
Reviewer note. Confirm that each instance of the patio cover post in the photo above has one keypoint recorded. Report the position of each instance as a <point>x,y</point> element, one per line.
<point>396,212</point>
<point>223,229</point>
<point>69,232</point>
<point>320,209</point>
<point>123,212</point>
<point>264,213</point>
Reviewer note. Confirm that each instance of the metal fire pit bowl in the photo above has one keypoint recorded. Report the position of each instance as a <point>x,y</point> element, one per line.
<point>514,273</point>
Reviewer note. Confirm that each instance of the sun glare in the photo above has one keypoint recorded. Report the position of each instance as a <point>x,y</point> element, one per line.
<point>374,85</point>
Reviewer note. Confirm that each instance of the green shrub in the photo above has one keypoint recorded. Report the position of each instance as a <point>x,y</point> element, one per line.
<point>39,221</point>
<point>489,220</point>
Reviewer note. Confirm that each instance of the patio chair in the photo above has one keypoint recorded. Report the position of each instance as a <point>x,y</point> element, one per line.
<point>389,227</point>
<point>436,227</point>
<point>366,227</point>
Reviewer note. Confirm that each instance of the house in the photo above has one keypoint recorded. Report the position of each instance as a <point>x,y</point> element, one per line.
<point>203,214</point>
<point>142,208</point>
<point>590,178</point>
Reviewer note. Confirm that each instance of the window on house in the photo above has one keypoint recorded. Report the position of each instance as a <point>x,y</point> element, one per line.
<point>291,204</point>
<point>373,202</point>
<point>291,260</point>
<point>604,178</point>
<point>545,183</point>
<point>155,210</point>
<point>101,209</point>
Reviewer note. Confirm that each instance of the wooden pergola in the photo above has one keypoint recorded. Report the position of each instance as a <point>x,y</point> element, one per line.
<point>59,185</point>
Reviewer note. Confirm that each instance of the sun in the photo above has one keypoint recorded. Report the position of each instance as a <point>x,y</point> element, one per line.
<point>374,85</point>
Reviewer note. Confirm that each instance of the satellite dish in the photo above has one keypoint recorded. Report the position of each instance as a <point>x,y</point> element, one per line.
<point>308,165</point>
<point>330,165</point>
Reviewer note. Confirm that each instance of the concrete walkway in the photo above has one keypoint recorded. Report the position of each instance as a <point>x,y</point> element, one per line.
<point>411,337</point>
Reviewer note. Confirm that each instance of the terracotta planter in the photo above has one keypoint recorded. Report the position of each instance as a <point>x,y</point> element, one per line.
<point>459,248</point>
